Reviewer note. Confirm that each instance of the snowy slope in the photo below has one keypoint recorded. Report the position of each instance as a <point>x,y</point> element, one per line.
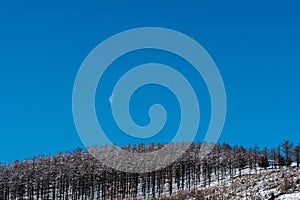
<point>264,184</point>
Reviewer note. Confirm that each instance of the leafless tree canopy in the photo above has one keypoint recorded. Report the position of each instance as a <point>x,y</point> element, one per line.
<point>79,175</point>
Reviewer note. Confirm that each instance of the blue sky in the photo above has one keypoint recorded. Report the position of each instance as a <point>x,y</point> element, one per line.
<point>255,44</point>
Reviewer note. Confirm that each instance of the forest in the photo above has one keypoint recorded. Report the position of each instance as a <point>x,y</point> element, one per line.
<point>78,175</point>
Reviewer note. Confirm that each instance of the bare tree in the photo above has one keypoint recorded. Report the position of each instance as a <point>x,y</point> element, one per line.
<point>297,154</point>
<point>287,148</point>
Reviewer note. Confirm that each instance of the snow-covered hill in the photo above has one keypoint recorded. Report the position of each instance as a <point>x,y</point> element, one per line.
<point>204,171</point>
<point>264,184</point>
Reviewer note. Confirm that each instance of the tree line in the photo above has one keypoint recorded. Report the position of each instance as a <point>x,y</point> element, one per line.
<point>78,175</point>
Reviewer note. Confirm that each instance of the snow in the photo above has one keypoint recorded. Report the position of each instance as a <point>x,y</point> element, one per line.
<point>281,183</point>
<point>294,196</point>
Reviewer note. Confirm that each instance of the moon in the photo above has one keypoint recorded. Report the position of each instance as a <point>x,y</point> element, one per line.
<point>111,98</point>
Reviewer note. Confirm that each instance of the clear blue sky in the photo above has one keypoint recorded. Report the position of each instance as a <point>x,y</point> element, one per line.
<point>255,44</point>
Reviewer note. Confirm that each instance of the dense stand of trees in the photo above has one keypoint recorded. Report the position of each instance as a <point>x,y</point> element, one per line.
<point>78,175</point>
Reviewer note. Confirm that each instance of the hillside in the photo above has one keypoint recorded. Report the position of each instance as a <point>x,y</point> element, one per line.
<point>225,172</point>
<point>266,184</point>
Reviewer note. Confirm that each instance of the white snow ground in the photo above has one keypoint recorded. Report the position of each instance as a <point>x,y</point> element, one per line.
<point>281,184</point>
